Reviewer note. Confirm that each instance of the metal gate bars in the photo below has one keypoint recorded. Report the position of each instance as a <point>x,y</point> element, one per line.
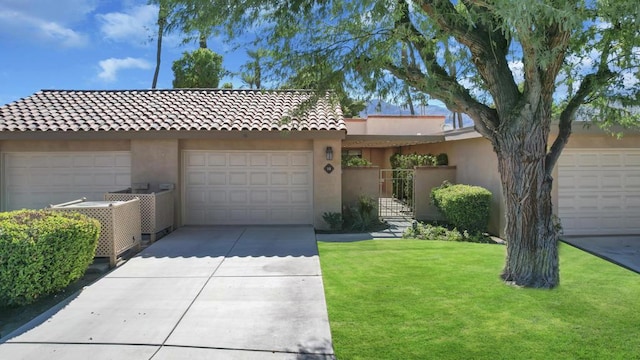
<point>396,194</point>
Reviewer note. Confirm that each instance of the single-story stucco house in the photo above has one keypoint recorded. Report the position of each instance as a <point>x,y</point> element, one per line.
<point>597,178</point>
<point>249,157</point>
<point>235,156</point>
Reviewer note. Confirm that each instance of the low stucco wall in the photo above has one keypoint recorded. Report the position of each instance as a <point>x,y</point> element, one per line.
<point>476,164</point>
<point>425,179</point>
<point>357,181</point>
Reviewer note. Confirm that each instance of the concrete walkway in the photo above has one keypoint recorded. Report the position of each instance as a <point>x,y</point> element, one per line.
<point>198,293</point>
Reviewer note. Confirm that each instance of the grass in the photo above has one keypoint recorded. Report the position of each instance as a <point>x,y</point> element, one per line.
<point>413,299</point>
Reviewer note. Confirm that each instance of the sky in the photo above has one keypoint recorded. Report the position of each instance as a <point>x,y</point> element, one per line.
<point>88,44</point>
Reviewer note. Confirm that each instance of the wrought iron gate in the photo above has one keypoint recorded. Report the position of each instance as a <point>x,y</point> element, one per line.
<point>396,194</point>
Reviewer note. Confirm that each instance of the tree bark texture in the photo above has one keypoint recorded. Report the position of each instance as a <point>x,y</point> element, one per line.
<point>532,237</point>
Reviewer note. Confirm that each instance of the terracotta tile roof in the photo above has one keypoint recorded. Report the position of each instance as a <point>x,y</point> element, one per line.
<point>176,109</point>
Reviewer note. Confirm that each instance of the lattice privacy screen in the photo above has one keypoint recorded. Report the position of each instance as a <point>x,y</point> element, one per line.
<point>156,209</point>
<point>119,225</point>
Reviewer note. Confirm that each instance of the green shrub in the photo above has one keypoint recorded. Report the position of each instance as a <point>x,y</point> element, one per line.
<point>434,232</point>
<point>463,206</point>
<point>354,161</point>
<point>42,252</point>
<point>334,219</point>
<point>363,215</point>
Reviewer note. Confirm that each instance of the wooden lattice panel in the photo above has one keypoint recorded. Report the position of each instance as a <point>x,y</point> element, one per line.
<point>119,226</point>
<point>156,209</point>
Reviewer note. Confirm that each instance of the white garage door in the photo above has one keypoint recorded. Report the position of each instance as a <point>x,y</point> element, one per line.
<point>35,180</point>
<point>256,187</point>
<point>599,191</point>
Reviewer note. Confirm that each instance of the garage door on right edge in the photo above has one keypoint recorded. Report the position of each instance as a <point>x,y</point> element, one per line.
<point>599,191</point>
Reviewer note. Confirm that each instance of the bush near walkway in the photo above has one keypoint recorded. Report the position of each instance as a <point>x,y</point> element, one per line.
<point>465,207</point>
<point>42,252</point>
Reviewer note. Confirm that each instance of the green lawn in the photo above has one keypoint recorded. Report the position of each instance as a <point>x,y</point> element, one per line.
<point>415,299</point>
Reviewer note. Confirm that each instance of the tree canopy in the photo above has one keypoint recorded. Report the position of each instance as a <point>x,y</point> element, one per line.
<point>517,68</point>
<point>201,68</point>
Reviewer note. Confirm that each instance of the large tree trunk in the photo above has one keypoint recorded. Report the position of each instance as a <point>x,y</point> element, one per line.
<point>532,238</point>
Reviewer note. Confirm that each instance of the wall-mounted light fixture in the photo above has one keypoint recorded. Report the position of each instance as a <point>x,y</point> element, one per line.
<point>329,153</point>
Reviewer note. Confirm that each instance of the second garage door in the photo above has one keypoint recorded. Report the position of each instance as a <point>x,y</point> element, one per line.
<point>599,191</point>
<point>256,187</point>
<point>35,180</point>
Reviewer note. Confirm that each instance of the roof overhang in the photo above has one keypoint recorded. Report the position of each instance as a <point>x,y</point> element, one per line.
<point>385,141</point>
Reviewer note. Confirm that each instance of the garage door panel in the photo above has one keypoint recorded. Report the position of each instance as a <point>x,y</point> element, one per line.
<point>300,178</point>
<point>216,197</point>
<point>279,160</point>
<point>260,197</point>
<point>632,202</point>
<point>238,197</point>
<point>197,160</point>
<point>632,160</point>
<point>613,181</point>
<point>196,178</point>
<point>238,160</point>
<point>238,178</point>
<point>280,196</point>
<point>599,191</point>
<point>300,197</point>
<point>256,187</point>
<point>632,180</point>
<point>216,178</point>
<point>36,180</point>
<point>259,160</point>
<point>279,178</point>
<point>259,178</point>
<point>299,160</point>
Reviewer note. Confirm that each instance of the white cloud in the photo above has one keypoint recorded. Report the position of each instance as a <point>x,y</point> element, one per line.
<point>111,66</point>
<point>65,36</point>
<point>136,25</point>
<point>59,11</point>
<point>19,23</point>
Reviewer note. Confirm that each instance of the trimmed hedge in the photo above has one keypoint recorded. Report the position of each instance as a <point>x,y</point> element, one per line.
<point>464,206</point>
<point>42,252</point>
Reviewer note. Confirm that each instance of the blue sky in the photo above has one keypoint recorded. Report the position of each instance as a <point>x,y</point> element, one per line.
<point>87,44</point>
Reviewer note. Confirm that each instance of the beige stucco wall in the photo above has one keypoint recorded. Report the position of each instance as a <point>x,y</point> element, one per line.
<point>476,164</point>
<point>425,179</point>
<point>395,125</point>
<point>327,195</point>
<point>356,126</point>
<point>157,162</point>
<point>357,181</point>
<point>379,156</point>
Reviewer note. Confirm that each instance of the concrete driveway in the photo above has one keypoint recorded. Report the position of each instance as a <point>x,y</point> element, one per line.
<point>621,250</point>
<point>199,293</point>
